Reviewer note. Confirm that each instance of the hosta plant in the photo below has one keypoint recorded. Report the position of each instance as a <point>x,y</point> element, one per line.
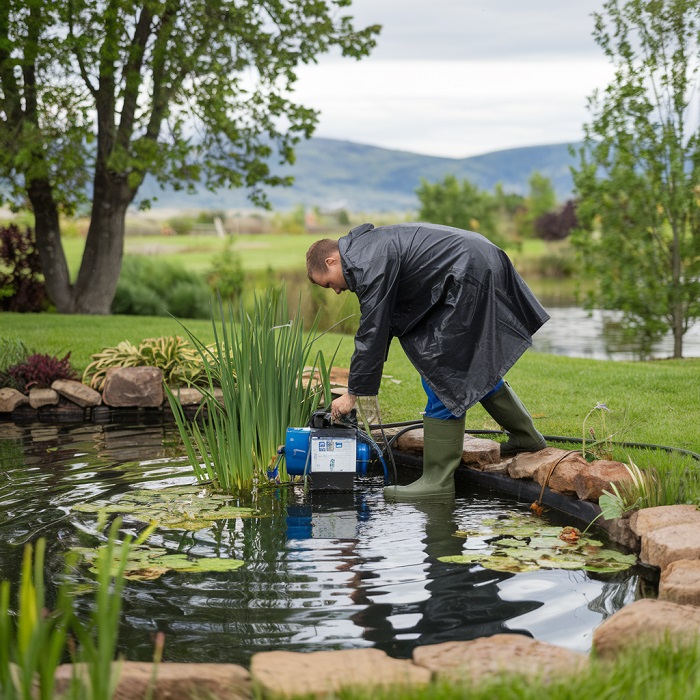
<point>180,361</point>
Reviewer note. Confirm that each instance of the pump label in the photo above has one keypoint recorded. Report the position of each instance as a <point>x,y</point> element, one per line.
<point>333,454</point>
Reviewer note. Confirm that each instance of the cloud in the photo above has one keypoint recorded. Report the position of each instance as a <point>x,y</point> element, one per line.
<point>461,77</point>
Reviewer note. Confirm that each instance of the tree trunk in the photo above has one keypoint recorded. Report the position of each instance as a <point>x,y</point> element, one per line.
<point>104,246</point>
<point>48,239</point>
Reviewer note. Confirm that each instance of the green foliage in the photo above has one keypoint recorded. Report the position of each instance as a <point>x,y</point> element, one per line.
<point>639,235</point>
<point>460,204</point>
<point>540,201</point>
<point>151,287</point>
<point>225,277</point>
<point>180,362</point>
<point>258,360</point>
<point>181,225</point>
<point>12,352</point>
<point>34,641</point>
<point>138,80</point>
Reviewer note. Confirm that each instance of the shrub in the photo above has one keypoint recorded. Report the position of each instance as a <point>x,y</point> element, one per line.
<point>37,371</point>
<point>149,287</point>
<point>21,288</point>
<point>225,277</point>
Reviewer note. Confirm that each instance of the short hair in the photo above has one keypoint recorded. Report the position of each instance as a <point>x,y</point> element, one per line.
<point>317,254</point>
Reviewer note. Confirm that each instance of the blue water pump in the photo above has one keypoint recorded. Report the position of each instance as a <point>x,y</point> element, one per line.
<point>329,454</point>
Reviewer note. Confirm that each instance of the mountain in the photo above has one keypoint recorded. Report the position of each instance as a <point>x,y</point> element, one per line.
<point>333,174</point>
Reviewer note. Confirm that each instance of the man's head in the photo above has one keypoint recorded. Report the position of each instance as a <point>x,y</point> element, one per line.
<point>323,265</point>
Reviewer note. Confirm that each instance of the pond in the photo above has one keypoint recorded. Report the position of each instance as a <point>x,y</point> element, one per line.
<point>324,571</point>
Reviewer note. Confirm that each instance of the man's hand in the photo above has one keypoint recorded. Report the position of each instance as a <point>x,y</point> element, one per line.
<point>342,405</point>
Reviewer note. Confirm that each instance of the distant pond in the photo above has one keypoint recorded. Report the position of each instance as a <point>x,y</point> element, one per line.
<point>575,332</point>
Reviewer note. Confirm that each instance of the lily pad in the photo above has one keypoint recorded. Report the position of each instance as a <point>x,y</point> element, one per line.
<point>524,543</point>
<point>176,507</point>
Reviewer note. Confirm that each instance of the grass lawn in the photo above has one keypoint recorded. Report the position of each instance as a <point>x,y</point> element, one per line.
<point>650,402</point>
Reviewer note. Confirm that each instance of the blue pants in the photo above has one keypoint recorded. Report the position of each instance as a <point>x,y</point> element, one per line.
<point>436,409</point>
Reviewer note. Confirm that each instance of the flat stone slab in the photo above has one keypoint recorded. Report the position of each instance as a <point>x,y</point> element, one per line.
<point>42,397</point>
<point>476,453</point>
<point>474,661</point>
<point>647,622</point>
<point>174,681</point>
<point>321,673</point>
<point>680,582</point>
<point>649,519</point>
<point>527,465</point>
<point>77,392</point>
<point>188,396</point>
<point>10,399</point>
<point>669,544</point>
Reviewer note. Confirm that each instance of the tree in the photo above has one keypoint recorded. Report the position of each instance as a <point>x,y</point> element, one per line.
<point>541,200</point>
<point>639,169</point>
<point>96,94</point>
<point>461,204</point>
<point>557,225</point>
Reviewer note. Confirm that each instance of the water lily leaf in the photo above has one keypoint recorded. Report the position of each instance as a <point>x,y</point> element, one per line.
<point>523,543</point>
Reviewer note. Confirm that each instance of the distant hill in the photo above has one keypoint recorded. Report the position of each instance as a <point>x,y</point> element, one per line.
<point>333,174</point>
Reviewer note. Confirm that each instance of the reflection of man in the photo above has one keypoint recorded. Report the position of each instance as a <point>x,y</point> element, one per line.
<point>463,316</point>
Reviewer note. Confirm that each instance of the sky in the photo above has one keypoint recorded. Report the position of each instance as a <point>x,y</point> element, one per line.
<point>459,78</point>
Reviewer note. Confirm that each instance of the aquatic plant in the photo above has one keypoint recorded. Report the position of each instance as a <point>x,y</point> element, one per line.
<point>258,360</point>
<point>181,363</point>
<point>34,641</point>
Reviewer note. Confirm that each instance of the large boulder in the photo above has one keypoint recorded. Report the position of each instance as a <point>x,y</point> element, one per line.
<point>133,387</point>
<point>529,465</point>
<point>650,519</point>
<point>647,622</point>
<point>42,397</point>
<point>322,673</point>
<point>474,661</point>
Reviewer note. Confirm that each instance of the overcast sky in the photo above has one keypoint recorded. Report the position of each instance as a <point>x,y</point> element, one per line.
<point>462,77</point>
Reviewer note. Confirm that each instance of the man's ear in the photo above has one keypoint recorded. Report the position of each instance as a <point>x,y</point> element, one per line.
<point>332,260</point>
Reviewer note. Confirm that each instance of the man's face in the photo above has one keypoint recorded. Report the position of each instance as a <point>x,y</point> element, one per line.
<point>333,277</point>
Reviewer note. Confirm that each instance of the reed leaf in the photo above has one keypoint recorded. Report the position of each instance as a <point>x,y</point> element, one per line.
<point>255,388</point>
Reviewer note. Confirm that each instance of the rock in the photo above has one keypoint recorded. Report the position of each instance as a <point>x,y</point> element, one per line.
<point>526,465</point>
<point>477,453</point>
<point>661,547</point>
<point>174,681</point>
<point>475,660</point>
<point>680,582</point>
<point>42,397</point>
<point>188,396</point>
<point>590,482</point>
<point>648,519</point>
<point>77,392</point>
<point>140,387</point>
<point>10,399</point>
<point>620,531</point>
<point>647,622</point>
<point>320,673</point>
<point>560,472</point>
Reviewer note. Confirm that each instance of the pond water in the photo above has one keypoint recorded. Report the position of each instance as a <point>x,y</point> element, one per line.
<point>597,335</point>
<point>324,571</point>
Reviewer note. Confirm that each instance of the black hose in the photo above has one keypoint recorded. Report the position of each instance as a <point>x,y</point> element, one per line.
<point>414,424</point>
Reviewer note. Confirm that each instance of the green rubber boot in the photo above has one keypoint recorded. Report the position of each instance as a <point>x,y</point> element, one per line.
<point>443,444</point>
<point>509,412</point>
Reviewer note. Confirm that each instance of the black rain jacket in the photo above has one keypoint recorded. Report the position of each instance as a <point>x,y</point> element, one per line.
<point>462,313</point>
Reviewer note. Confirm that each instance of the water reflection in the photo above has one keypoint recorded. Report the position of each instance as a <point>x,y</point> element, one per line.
<point>597,335</point>
<point>321,571</point>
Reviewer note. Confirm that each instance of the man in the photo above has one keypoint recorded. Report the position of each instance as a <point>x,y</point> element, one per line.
<point>463,316</point>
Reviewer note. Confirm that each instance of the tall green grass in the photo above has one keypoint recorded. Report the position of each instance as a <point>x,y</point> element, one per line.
<point>34,640</point>
<point>258,361</point>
